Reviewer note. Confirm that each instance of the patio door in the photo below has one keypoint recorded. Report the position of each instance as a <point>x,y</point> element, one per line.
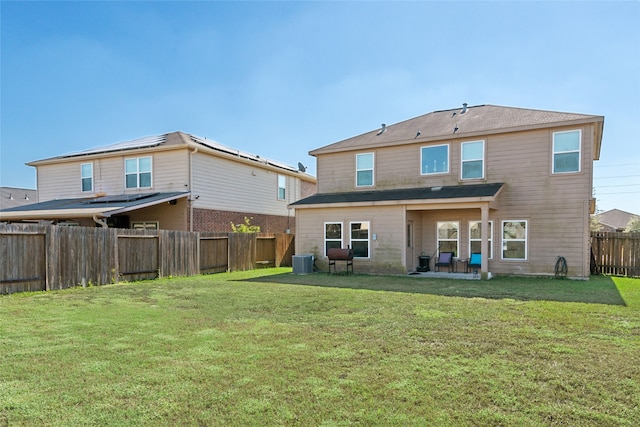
<point>410,257</point>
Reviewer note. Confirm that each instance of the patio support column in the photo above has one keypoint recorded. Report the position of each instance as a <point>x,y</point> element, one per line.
<point>484,242</point>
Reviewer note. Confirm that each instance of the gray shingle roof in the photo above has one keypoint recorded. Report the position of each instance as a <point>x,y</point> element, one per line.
<point>173,138</point>
<point>477,120</point>
<point>422,193</point>
<point>104,206</point>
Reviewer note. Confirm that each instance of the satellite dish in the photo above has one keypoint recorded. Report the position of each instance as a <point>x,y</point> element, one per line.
<point>301,167</point>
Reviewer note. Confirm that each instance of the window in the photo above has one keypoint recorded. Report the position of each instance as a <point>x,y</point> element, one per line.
<point>360,239</point>
<point>566,151</point>
<point>475,237</point>
<point>364,170</point>
<point>332,236</point>
<point>145,225</point>
<point>448,237</point>
<point>138,172</point>
<point>86,176</point>
<point>434,159</point>
<point>282,187</point>
<point>473,160</point>
<point>514,240</point>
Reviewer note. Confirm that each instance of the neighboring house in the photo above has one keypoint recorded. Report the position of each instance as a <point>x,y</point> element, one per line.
<point>11,197</point>
<point>614,220</point>
<point>172,181</point>
<point>512,184</point>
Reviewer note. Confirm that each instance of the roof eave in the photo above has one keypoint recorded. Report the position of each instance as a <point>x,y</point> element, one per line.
<point>598,120</point>
<point>412,204</point>
<point>125,209</point>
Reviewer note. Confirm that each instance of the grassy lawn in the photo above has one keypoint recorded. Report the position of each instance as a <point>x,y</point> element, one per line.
<point>269,348</point>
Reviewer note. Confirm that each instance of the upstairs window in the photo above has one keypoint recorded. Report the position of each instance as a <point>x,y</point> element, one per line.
<point>332,236</point>
<point>473,160</point>
<point>364,170</point>
<point>138,172</point>
<point>566,151</point>
<point>86,177</point>
<point>360,239</point>
<point>434,159</point>
<point>282,187</point>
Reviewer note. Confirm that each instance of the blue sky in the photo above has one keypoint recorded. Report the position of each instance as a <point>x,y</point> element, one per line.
<point>279,79</point>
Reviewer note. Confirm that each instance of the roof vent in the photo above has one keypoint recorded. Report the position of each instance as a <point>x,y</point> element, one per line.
<point>382,129</point>
<point>464,108</point>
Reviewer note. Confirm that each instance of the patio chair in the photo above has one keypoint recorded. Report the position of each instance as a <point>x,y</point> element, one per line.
<point>475,262</point>
<point>445,259</point>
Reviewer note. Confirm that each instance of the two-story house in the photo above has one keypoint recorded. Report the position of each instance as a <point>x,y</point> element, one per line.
<point>172,181</point>
<point>512,184</point>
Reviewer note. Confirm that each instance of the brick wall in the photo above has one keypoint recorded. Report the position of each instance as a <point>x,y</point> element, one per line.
<point>215,220</point>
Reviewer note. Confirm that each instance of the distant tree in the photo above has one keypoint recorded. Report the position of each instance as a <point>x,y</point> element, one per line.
<point>594,223</point>
<point>633,224</point>
<point>246,227</point>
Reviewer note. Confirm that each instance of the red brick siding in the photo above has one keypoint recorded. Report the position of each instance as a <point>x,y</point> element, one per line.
<point>215,220</point>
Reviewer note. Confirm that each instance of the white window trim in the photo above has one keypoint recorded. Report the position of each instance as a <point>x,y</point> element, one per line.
<point>438,240</point>
<point>145,225</point>
<point>462,161</point>
<point>284,187</point>
<point>324,234</point>
<point>368,239</point>
<point>490,239</point>
<point>553,152</point>
<point>525,240</point>
<point>138,172</point>
<point>373,170</point>
<point>82,177</point>
<point>448,160</point>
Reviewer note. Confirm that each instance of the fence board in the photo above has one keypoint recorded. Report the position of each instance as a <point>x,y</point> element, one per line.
<point>138,254</point>
<point>615,253</point>
<point>265,251</point>
<point>242,251</point>
<point>178,253</point>
<point>214,252</point>
<point>23,269</point>
<point>285,245</point>
<point>34,257</point>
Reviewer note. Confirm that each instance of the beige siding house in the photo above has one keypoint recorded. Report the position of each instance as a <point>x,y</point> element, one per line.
<point>172,181</point>
<point>512,184</point>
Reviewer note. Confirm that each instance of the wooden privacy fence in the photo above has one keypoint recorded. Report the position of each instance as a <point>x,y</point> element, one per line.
<point>615,253</point>
<point>35,258</point>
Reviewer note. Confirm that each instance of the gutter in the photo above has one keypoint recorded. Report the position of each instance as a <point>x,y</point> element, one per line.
<point>190,199</point>
<point>100,221</point>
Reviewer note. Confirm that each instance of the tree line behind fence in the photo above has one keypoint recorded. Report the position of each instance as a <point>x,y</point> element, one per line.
<point>35,258</point>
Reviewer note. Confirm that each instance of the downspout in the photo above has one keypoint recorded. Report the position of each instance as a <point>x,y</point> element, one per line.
<point>190,199</point>
<point>102,222</point>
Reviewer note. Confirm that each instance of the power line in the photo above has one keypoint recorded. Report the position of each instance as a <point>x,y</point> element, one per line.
<point>621,192</point>
<point>595,165</point>
<point>619,176</point>
<point>619,185</point>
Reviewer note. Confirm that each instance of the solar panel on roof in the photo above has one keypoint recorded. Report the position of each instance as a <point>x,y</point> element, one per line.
<point>220,147</point>
<point>147,141</point>
<point>121,198</point>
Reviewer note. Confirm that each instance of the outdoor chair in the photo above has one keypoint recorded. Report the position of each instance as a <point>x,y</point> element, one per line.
<point>445,259</point>
<point>475,262</point>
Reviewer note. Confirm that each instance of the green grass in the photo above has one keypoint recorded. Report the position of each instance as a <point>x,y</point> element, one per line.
<point>269,348</point>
